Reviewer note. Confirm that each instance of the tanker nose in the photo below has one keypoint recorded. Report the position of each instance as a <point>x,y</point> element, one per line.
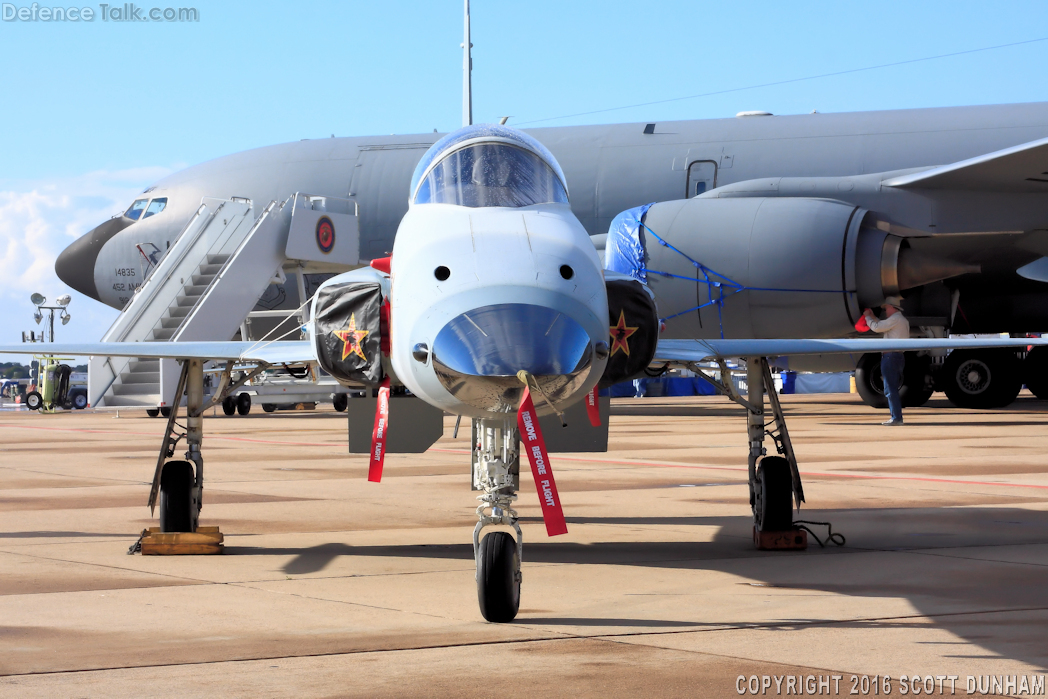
<point>75,265</point>
<point>476,355</point>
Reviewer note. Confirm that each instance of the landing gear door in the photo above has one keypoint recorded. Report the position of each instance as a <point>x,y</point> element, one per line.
<point>702,177</point>
<point>324,229</point>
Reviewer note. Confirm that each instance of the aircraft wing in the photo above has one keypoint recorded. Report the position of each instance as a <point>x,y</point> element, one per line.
<point>1022,168</point>
<point>271,353</point>
<point>700,350</point>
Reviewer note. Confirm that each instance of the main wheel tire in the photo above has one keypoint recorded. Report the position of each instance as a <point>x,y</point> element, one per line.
<point>153,412</point>
<point>80,401</point>
<point>868,381</point>
<point>917,386</point>
<point>917,383</point>
<point>773,495</point>
<point>498,578</point>
<point>1035,371</point>
<point>340,402</point>
<point>243,403</point>
<point>176,497</point>
<point>229,405</point>
<point>269,407</point>
<point>166,411</point>
<point>981,378</point>
<point>33,400</point>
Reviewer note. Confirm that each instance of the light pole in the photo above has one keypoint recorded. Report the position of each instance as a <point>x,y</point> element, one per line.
<point>39,300</point>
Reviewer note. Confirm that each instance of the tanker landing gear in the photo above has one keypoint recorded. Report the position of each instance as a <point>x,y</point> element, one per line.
<point>238,404</point>
<point>917,382</point>
<point>987,378</point>
<point>1035,370</point>
<point>496,471</point>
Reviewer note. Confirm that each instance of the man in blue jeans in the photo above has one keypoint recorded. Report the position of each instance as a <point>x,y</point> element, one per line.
<point>895,327</point>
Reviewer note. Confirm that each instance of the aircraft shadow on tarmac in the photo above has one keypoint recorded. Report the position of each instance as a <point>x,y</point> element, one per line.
<point>59,535</point>
<point>812,406</point>
<point>670,410</point>
<point>960,568</point>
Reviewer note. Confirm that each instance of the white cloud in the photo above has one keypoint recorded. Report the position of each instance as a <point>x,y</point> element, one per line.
<point>39,219</point>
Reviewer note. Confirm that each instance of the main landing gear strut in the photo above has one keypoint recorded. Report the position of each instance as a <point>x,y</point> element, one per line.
<point>178,484</point>
<point>496,471</point>
<point>775,481</point>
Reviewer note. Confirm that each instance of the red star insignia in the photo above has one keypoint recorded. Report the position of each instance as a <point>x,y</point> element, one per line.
<point>351,339</point>
<point>620,334</point>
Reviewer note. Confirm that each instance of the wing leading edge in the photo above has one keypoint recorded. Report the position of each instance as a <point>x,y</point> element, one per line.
<point>271,353</point>
<point>699,350</point>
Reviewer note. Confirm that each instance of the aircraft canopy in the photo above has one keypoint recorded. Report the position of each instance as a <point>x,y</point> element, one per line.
<point>488,165</point>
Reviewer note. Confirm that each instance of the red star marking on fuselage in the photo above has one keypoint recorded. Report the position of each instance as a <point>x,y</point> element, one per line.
<point>351,339</point>
<point>620,334</point>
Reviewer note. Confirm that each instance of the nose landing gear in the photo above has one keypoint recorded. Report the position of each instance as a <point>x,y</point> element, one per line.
<point>496,471</point>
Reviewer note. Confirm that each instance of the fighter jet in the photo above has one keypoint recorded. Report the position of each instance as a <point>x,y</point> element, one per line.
<point>494,305</point>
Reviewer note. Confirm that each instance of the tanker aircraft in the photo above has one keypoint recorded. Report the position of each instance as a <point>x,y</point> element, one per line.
<point>947,206</point>
<point>494,305</point>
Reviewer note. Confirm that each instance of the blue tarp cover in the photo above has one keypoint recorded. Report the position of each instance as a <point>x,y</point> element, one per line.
<point>670,386</point>
<point>624,249</point>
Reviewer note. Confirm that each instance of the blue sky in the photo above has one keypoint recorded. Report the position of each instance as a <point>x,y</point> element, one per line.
<point>94,111</point>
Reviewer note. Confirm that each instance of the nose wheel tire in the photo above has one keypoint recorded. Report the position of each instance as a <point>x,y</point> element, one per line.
<point>229,405</point>
<point>498,578</point>
<point>243,404</point>
<point>176,497</point>
<point>773,495</point>
<point>340,402</point>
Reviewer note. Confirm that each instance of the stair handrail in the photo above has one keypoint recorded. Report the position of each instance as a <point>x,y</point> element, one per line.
<point>142,299</point>
<point>225,265</point>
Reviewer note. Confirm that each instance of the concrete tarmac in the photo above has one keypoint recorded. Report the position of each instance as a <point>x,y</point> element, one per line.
<point>333,586</point>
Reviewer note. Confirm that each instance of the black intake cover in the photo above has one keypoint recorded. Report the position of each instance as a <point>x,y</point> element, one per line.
<point>634,325</point>
<point>348,333</point>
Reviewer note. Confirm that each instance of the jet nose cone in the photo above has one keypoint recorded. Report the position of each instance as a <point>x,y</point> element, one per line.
<point>477,355</point>
<point>501,340</point>
<point>75,265</point>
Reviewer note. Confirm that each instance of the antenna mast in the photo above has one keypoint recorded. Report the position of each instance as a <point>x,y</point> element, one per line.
<point>467,69</point>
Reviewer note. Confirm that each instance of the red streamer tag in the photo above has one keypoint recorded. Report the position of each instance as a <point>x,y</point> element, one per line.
<point>593,407</point>
<point>535,446</point>
<point>378,435</point>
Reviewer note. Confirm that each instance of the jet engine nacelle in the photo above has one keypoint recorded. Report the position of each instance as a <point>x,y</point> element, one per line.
<point>774,267</point>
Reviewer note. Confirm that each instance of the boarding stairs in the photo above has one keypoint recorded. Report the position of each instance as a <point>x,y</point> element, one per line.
<point>202,289</point>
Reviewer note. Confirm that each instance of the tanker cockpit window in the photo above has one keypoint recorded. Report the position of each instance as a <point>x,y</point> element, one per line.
<point>155,207</point>
<point>135,210</point>
<point>491,174</point>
